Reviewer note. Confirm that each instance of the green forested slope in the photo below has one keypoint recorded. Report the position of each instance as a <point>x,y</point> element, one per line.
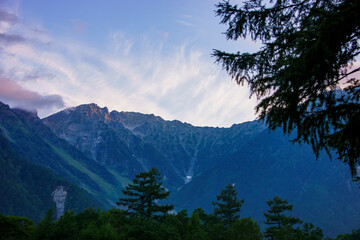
<point>32,139</point>
<point>26,188</point>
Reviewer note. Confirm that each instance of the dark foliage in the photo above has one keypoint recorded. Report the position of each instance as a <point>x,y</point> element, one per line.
<point>308,50</point>
<point>19,228</point>
<point>117,224</point>
<point>245,229</point>
<point>355,235</point>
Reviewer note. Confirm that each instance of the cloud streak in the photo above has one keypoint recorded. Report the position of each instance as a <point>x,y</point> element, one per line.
<point>131,73</point>
<point>11,38</point>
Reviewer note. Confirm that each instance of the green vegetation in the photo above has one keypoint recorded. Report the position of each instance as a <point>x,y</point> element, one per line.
<point>15,228</point>
<point>101,184</point>
<point>144,223</point>
<point>307,55</point>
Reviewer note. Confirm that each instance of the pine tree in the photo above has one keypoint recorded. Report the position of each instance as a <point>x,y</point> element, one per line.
<point>308,52</point>
<point>143,195</point>
<point>280,225</point>
<point>227,206</point>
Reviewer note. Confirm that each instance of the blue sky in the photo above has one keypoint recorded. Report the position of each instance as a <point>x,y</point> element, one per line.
<point>143,56</point>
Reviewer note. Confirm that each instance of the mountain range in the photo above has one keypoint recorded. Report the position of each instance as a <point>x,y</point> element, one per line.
<point>98,152</point>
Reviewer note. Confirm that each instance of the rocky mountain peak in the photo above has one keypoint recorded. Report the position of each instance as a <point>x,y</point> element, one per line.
<point>82,113</point>
<point>93,110</point>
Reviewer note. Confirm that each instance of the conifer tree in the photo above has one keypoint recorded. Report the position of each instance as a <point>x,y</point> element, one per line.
<point>143,195</point>
<point>227,206</point>
<point>280,225</point>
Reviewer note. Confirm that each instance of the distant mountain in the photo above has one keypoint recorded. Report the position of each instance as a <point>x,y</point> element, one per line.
<point>100,151</point>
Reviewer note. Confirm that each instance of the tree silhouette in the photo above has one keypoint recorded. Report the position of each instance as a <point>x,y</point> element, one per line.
<point>281,226</point>
<point>227,206</point>
<point>143,195</point>
<point>308,53</point>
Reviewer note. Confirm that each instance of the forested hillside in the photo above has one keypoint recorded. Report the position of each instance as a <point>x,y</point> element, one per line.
<point>26,188</point>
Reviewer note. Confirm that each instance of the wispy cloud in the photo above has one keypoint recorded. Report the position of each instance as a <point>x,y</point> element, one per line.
<point>185,20</point>
<point>132,73</point>
<point>10,38</point>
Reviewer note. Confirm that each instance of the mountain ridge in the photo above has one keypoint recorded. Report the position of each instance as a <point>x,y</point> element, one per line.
<point>131,127</point>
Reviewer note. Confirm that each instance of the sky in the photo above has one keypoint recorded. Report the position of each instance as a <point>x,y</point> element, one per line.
<point>140,56</point>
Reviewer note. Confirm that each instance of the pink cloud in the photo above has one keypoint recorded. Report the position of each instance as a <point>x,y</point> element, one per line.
<point>15,95</point>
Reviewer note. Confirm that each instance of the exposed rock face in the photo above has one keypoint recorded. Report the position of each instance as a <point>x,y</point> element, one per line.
<point>59,197</point>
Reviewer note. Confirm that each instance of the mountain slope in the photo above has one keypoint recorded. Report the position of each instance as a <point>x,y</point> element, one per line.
<point>26,188</point>
<point>321,190</point>
<point>32,139</point>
